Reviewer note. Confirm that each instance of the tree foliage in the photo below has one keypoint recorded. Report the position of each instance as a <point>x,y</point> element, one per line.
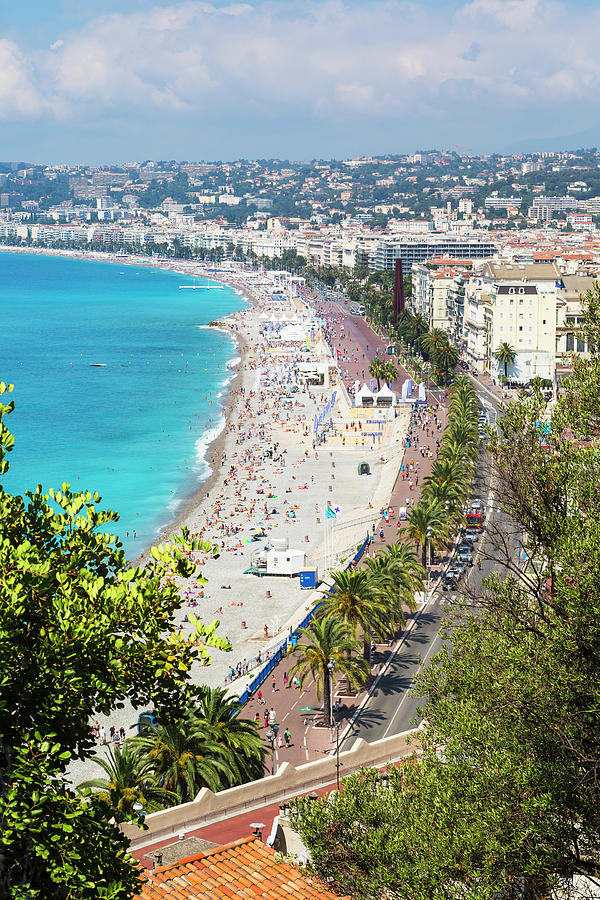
<point>81,631</point>
<point>504,799</point>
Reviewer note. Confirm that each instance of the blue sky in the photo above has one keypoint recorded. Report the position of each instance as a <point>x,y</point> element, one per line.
<point>114,81</point>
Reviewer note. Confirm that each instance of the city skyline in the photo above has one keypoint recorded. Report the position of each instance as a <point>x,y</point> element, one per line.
<point>107,82</point>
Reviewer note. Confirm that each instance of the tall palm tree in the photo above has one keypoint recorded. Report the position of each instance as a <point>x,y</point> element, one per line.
<point>463,432</point>
<point>427,517</point>
<point>376,370</point>
<point>357,600</point>
<point>129,779</point>
<point>506,355</point>
<point>454,451</point>
<point>218,712</point>
<point>323,640</point>
<point>446,356</point>
<point>185,758</point>
<point>390,372</point>
<point>451,497</point>
<point>396,576</point>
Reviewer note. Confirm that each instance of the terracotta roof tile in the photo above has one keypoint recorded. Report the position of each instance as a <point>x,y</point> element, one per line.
<point>243,870</point>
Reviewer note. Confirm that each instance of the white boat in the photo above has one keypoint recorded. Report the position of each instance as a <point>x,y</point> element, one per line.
<point>99,365</point>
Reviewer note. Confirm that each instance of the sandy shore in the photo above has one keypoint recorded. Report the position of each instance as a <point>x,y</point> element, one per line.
<point>268,478</point>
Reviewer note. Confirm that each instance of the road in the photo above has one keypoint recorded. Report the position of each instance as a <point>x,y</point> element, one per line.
<point>392,706</point>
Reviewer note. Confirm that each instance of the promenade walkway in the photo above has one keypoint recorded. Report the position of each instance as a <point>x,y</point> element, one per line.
<point>300,711</point>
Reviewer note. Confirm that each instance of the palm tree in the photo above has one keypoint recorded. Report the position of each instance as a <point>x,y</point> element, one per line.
<point>357,600</point>
<point>396,576</point>
<point>506,355</point>
<point>390,372</point>
<point>446,356</point>
<point>218,712</point>
<point>376,370</point>
<point>323,640</point>
<point>185,758</point>
<point>129,780</point>
<point>427,520</point>
<point>463,432</point>
<point>444,472</point>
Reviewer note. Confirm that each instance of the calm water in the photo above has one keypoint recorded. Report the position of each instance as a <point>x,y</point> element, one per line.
<point>135,430</point>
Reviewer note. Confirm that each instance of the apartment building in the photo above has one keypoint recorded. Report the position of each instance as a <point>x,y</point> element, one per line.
<point>569,318</point>
<point>412,249</point>
<point>515,304</point>
<point>438,295</point>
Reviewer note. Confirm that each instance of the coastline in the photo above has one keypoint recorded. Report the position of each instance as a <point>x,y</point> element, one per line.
<point>214,449</point>
<point>270,481</point>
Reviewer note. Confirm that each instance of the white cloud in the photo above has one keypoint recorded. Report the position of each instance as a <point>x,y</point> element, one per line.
<point>385,59</point>
<point>18,94</point>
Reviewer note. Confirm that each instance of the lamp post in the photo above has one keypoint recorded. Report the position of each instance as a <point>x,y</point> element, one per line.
<point>330,668</point>
<point>271,735</point>
<point>427,555</point>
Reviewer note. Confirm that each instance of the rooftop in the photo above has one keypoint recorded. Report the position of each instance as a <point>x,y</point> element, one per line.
<point>244,868</point>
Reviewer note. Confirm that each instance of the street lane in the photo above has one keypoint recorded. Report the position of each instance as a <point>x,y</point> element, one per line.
<point>392,707</point>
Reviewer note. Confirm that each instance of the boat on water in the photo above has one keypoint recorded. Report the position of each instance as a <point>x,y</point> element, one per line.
<point>99,365</point>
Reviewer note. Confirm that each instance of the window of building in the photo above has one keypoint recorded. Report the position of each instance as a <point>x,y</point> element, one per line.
<point>570,341</point>
<point>580,345</point>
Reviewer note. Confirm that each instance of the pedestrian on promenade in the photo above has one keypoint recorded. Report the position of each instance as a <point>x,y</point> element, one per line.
<point>285,679</point>
<point>266,718</point>
<point>287,737</point>
<point>274,688</point>
<point>272,716</point>
<point>102,734</point>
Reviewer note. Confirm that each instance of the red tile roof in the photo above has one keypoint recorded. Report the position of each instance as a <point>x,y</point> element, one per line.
<point>243,869</point>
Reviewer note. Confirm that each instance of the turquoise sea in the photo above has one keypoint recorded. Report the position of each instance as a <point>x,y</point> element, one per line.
<point>135,429</point>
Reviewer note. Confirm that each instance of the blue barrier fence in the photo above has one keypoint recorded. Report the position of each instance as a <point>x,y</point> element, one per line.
<point>291,641</point>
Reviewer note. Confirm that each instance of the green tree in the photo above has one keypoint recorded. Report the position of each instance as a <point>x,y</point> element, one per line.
<point>396,576</point>
<point>506,355</point>
<point>81,631</point>
<point>129,779</point>
<point>377,370</point>
<point>220,714</point>
<point>185,757</point>
<point>504,799</point>
<point>357,599</point>
<point>427,523</point>
<point>323,640</point>
<point>389,372</point>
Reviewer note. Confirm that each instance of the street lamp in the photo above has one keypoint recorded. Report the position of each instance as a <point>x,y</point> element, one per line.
<point>427,563</point>
<point>271,735</point>
<point>330,667</point>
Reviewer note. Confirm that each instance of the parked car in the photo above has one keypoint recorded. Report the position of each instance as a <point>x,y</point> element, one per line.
<point>476,505</point>
<point>449,583</point>
<point>471,535</point>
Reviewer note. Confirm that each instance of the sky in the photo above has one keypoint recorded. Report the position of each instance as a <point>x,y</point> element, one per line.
<point>101,81</point>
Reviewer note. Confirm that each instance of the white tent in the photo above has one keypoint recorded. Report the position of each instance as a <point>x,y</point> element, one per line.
<point>385,397</point>
<point>364,397</point>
